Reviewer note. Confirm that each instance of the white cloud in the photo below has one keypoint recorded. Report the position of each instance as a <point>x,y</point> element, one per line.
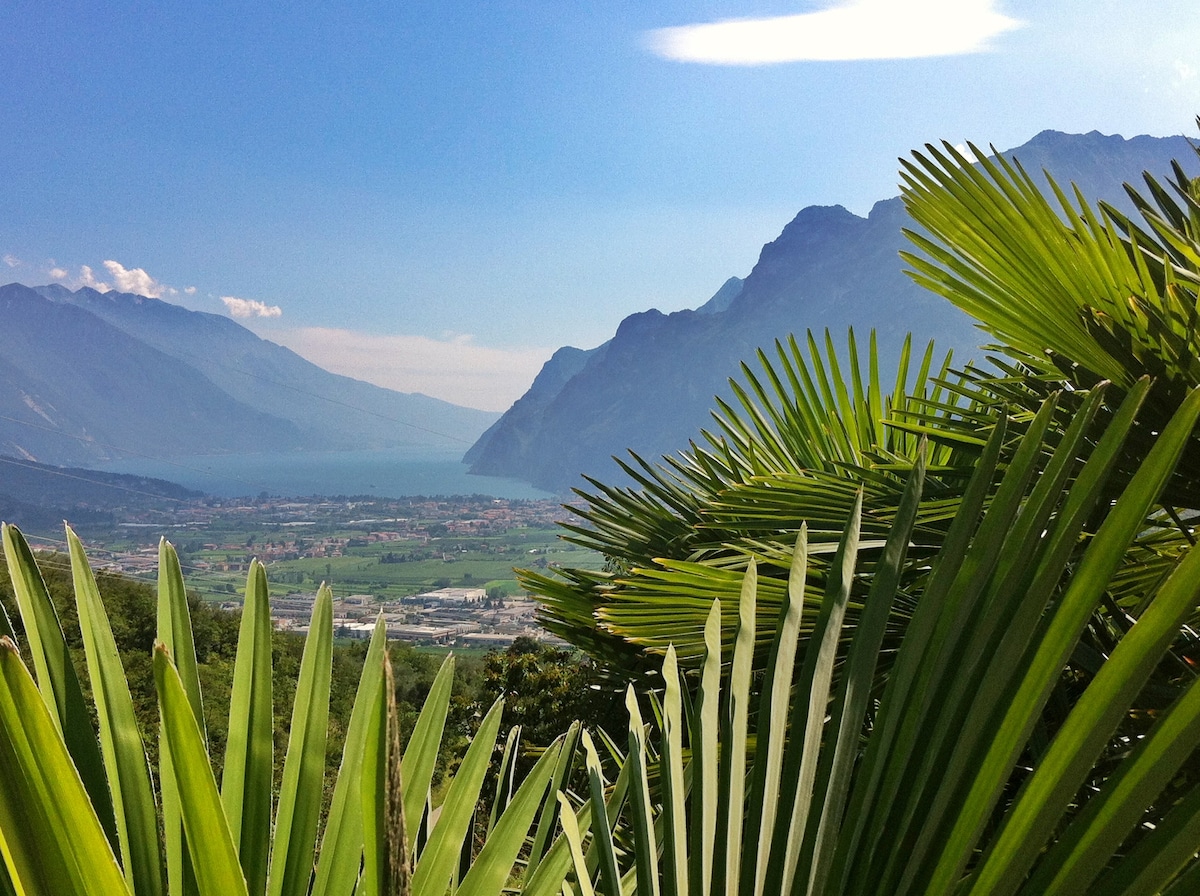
<point>966,153</point>
<point>58,274</point>
<point>850,30</point>
<point>136,281</point>
<point>250,307</point>
<point>12,261</point>
<point>88,278</point>
<point>190,290</point>
<point>453,369</point>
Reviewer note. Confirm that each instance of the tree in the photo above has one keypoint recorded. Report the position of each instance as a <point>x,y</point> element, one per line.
<point>546,688</point>
<point>1075,296</point>
<point>990,728</point>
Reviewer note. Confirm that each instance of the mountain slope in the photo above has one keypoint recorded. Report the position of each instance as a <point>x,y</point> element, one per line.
<point>649,389</point>
<point>332,412</point>
<point>38,497</point>
<point>74,389</point>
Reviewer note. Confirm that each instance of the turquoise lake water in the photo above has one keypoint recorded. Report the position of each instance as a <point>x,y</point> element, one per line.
<point>392,473</point>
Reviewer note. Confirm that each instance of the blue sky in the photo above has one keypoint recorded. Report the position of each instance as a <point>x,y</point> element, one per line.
<point>436,195</point>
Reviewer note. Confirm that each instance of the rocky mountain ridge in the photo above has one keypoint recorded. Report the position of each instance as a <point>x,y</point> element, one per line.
<point>650,388</point>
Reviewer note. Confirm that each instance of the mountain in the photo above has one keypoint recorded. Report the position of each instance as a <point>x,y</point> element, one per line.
<point>332,412</point>
<point>650,388</point>
<point>74,388</point>
<point>38,497</point>
<point>86,376</point>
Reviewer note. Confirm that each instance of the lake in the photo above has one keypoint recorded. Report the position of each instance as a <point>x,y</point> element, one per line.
<point>391,473</point>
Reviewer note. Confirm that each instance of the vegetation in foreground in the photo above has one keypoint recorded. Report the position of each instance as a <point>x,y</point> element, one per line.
<point>933,641</point>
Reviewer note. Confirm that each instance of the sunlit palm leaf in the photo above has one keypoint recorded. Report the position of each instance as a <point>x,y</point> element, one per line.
<point>805,433</point>
<point>124,754</point>
<point>50,838</point>
<point>924,788</point>
<point>56,676</point>
<point>249,754</point>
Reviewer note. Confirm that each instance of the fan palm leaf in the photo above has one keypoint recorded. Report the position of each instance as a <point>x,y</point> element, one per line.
<point>956,776</point>
<point>803,434</point>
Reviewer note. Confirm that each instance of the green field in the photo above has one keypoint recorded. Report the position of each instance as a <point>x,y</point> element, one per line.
<point>394,569</point>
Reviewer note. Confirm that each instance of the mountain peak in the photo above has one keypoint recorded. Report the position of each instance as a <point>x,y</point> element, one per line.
<point>650,388</point>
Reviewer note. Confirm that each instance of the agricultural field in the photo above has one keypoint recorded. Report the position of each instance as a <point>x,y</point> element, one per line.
<point>388,549</point>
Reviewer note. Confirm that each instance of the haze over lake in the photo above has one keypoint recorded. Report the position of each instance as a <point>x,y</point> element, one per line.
<point>390,473</point>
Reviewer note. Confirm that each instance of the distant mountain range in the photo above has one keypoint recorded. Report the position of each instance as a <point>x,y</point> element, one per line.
<point>650,388</point>
<point>88,376</point>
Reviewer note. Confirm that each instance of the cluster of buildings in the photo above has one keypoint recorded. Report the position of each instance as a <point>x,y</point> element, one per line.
<point>462,617</point>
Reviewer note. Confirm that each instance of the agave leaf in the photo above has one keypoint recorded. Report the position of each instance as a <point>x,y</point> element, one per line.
<point>249,753</point>
<point>342,841</point>
<point>735,728</point>
<point>706,788</point>
<point>505,779</point>
<point>175,633</point>
<point>771,733</point>
<point>549,815</point>
<point>175,625</point>
<point>436,865</point>
<point>210,839</point>
<point>50,838</point>
<point>571,833</point>
<point>420,755</point>
<point>602,840</point>
<point>300,792</point>
<point>56,675</point>
<point>644,840</point>
<point>849,713</point>
<point>896,731</point>
<point>494,865</point>
<point>386,869</point>
<point>801,764</point>
<point>120,739</point>
<point>674,784</point>
<point>6,629</point>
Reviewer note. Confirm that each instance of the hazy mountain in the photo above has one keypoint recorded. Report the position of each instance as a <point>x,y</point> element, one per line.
<point>650,388</point>
<point>331,411</point>
<point>86,376</point>
<point>74,388</point>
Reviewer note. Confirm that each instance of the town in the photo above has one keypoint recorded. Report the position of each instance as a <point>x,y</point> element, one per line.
<point>439,570</point>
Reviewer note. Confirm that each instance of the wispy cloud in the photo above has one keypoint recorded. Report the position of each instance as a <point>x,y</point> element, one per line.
<point>1185,74</point>
<point>452,368</point>
<point>850,30</point>
<point>12,261</point>
<point>250,307</point>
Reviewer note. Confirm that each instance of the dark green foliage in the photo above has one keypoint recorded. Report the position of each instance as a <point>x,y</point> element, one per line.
<point>545,688</point>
